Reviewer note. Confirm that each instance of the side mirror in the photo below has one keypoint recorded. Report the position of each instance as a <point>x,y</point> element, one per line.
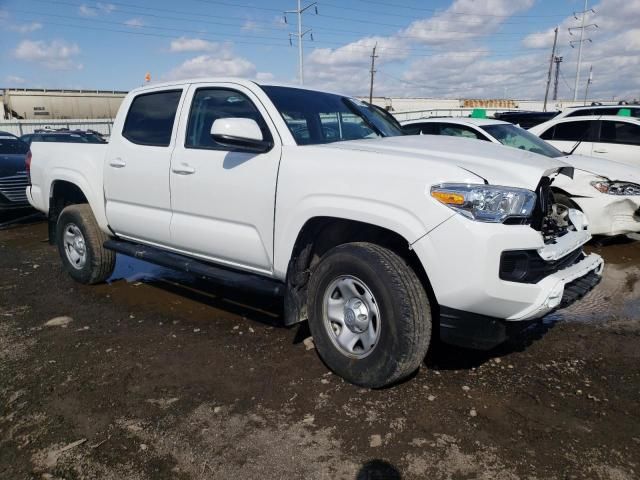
<point>240,133</point>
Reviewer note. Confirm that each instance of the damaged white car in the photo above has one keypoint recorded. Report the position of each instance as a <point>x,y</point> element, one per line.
<point>608,192</point>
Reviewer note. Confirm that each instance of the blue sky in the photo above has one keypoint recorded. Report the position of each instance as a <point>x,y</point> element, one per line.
<point>488,48</point>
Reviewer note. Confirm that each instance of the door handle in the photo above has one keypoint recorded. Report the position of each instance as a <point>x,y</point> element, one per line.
<point>183,169</point>
<point>599,151</point>
<point>117,163</point>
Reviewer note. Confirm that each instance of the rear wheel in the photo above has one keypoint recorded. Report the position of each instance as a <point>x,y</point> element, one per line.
<point>369,314</point>
<point>80,245</point>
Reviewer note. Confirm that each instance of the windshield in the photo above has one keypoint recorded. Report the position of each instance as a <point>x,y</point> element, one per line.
<point>317,117</point>
<point>12,145</point>
<point>513,136</point>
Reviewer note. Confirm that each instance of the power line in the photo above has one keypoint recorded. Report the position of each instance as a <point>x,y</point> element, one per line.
<point>406,51</point>
<point>124,24</point>
<point>455,13</point>
<point>263,25</point>
<point>471,16</point>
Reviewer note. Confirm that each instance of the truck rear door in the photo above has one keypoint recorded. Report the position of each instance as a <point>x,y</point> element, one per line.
<point>222,199</point>
<point>136,171</point>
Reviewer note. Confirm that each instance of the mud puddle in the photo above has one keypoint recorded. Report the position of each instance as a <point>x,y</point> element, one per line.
<point>618,294</point>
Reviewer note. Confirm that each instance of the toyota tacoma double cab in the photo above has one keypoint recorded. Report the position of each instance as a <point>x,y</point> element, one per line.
<point>383,242</point>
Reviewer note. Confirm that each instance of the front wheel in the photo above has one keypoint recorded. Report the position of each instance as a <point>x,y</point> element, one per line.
<point>369,314</point>
<point>80,245</point>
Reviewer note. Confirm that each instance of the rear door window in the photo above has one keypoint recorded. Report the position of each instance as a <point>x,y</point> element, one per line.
<point>620,132</point>
<point>151,117</point>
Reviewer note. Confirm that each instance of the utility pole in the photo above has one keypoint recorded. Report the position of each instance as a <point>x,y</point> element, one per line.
<point>582,28</point>
<point>373,71</point>
<point>558,61</point>
<point>589,81</point>
<point>553,55</point>
<point>300,35</point>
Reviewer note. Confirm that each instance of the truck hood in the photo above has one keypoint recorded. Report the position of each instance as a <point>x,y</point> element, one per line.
<point>601,167</point>
<point>496,164</point>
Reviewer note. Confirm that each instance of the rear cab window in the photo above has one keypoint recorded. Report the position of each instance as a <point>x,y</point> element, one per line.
<point>151,117</point>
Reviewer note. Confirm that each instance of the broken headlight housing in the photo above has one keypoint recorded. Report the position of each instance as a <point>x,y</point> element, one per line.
<point>486,203</point>
<point>616,188</point>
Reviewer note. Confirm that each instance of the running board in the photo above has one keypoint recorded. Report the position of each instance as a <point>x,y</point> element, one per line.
<point>224,276</point>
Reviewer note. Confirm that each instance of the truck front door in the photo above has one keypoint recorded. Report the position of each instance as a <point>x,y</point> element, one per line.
<point>222,199</point>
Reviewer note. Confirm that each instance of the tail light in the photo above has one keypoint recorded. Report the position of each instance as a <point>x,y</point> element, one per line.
<point>27,165</point>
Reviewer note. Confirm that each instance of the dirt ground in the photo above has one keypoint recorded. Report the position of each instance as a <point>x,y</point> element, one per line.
<point>158,375</point>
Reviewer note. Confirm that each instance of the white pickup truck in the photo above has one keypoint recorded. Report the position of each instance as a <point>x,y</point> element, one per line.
<point>383,242</point>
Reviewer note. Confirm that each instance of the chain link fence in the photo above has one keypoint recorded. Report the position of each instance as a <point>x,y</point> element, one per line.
<point>22,127</point>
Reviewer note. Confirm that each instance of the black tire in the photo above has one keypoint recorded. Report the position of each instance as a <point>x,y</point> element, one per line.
<point>405,314</point>
<point>100,262</point>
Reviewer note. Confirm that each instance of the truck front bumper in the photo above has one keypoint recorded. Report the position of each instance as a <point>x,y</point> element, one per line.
<point>462,259</point>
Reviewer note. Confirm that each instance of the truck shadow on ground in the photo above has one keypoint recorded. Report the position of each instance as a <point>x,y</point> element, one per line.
<point>211,297</point>
<point>449,357</point>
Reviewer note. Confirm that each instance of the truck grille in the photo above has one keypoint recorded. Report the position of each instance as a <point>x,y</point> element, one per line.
<point>15,188</point>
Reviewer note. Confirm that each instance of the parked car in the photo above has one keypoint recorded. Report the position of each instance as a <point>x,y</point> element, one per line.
<point>607,192</point>
<point>633,110</point>
<point>374,240</point>
<point>525,119</point>
<point>613,137</point>
<point>65,136</point>
<point>13,175</point>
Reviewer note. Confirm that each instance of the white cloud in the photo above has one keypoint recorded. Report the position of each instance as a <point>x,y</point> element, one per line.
<point>93,10</point>
<point>86,11</point>
<point>56,54</point>
<point>329,68</point>
<point>250,26</point>
<point>214,65</point>
<point>461,64</point>
<point>26,28</point>
<point>14,80</point>
<point>465,19</point>
<point>134,23</point>
<point>614,53</point>
<point>265,77</point>
<point>185,44</point>
<point>106,7</point>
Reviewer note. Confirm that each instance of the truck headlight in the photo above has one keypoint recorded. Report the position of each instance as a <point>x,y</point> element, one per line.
<point>616,188</point>
<point>485,203</point>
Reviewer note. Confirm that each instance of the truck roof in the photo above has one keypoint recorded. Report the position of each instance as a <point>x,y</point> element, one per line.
<point>238,80</point>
